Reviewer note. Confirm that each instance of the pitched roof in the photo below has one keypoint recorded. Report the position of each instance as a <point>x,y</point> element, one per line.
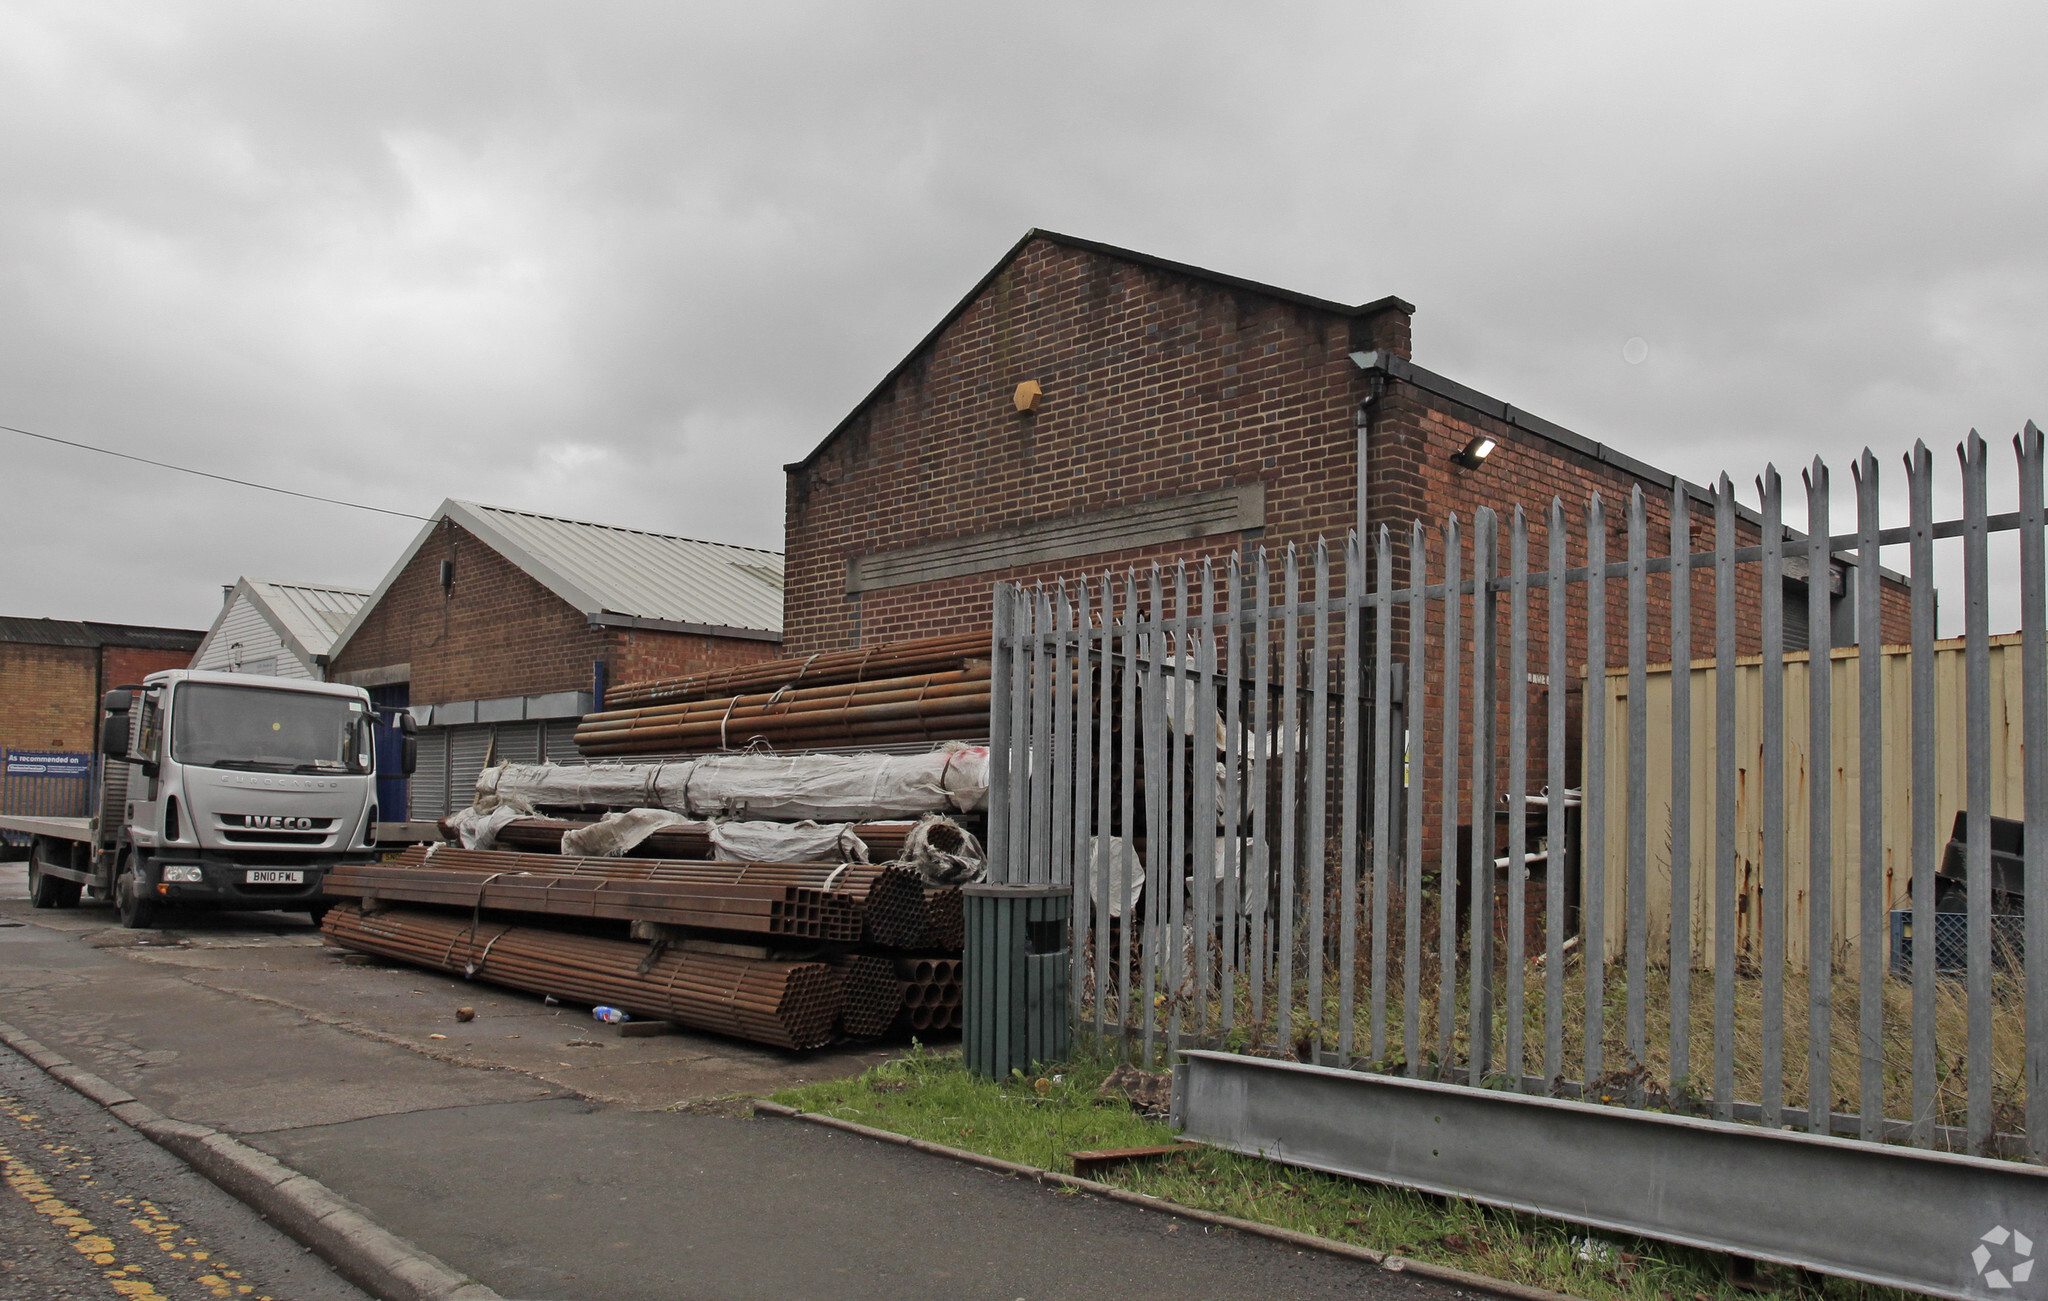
<point>88,633</point>
<point>306,616</point>
<point>619,577</point>
<point>1374,308</point>
<point>313,613</point>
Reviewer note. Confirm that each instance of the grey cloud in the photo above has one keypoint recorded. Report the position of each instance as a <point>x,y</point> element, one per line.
<point>622,262</point>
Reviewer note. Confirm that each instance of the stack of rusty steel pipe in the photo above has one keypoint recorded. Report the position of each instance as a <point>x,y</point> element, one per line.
<point>948,705</point>
<point>945,918</point>
<point>874,994</point>
<point>787,1004</point>
<point>499,915</point>
<point>931,993</point>
<point>894,660</point>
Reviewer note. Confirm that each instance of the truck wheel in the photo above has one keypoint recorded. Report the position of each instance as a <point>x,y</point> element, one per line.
<point>318,912</point>
<point>137,910</point>
<point>44,890</point>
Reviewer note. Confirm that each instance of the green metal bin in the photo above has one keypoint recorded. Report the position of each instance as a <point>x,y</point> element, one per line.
<point>1017,990</point>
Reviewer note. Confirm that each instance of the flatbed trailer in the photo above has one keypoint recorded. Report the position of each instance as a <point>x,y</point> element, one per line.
<point>56,828</point>
<point>63,858</point>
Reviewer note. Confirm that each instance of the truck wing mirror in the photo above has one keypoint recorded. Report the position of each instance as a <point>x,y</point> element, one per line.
<point>406,723</point>
<point>409,755</point>
<point>118,701</point>
<point>114,735</point>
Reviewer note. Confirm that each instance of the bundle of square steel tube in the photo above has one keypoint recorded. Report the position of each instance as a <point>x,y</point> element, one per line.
<point>885,904</point>
<point>895,660</point>
<point>786,1004</point>
<point>798,912</point>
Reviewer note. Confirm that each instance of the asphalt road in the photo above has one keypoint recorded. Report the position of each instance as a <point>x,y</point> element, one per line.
<point>533,1151</point>
<point>92,1209</point>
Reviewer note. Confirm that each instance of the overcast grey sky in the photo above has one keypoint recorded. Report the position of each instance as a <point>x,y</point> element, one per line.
<point>621,261</point>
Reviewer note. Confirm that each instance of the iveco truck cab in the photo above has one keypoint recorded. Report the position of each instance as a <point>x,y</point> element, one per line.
<point>222,790</point>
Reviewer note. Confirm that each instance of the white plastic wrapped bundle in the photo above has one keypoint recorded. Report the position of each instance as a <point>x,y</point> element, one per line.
<point>620,832</point>
<point>789,788</point>
<point>787,842</point>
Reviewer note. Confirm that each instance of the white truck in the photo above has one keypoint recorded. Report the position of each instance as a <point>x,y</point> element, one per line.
<point>218,790</point>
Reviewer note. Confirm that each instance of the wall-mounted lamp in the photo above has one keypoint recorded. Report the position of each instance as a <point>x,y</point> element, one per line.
<point>1476,451</point>
<point>1027,396</point>
<point>447,575</point>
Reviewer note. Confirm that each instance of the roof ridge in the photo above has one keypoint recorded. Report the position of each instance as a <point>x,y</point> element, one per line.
<point>959,309</point>
<point>615,528</point>
<point>310,587</point>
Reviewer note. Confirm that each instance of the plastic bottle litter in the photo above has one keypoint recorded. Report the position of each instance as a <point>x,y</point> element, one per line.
<point>609,1015</point>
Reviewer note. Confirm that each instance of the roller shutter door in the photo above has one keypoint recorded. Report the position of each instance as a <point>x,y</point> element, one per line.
<point>560,737</point>
<point>467,747</point>
<point>429,786</point>
<point>517,743</point>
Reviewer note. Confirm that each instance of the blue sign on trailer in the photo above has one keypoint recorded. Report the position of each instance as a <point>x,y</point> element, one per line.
<point>47,763</point>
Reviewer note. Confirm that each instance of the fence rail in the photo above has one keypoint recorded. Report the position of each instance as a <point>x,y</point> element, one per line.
<point>1308,812</point>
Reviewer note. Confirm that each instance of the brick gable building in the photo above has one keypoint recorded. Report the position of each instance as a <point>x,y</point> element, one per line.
<point>499,629</point>
<point>52,674</point>
<point>1180,414</point>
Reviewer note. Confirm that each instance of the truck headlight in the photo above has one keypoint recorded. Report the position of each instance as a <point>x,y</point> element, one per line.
<point>184,875</point>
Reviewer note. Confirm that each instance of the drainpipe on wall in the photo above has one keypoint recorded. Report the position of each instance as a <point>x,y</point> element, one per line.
<point>1366,407</point>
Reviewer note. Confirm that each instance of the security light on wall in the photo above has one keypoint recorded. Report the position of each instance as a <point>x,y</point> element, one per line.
<point>1476,451</point>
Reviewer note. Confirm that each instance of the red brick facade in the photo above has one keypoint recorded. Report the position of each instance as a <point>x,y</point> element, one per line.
<point>1156,385</point>
<point>50,682</point>
<point>498,632</point>
<point>126,665</point>
<point>1159,382</point>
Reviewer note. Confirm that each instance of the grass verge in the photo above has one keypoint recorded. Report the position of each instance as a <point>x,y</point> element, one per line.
<point>931,1096</point>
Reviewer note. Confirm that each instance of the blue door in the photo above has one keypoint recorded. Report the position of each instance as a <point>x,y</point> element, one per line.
<point>391,793</point>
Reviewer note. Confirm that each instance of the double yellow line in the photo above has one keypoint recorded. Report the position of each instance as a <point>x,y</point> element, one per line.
<point>126,1280</point>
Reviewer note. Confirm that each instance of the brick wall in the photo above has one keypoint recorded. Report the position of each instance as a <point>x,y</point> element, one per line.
<point>1159,384</point>
<point>633,655</point>
<point>47,699</point>
<point>498,632</point>
<point>1155,385</point>
<point>122,665</point>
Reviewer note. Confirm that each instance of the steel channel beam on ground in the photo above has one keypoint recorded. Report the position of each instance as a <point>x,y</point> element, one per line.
<point>1893,1216</point>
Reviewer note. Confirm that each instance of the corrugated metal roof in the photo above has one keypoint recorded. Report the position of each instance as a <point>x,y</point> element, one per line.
<point>74,632</point>
<point>602,569</point>
<point>47,632</point>
<point>311,613</point>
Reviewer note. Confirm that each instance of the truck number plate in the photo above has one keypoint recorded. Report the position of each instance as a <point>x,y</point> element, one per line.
<point>258,877</point>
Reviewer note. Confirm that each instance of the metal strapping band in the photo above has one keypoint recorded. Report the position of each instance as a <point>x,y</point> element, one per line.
<point>833,880</point>
<point>481,958</point>
<point>476,916</point>
<point>723,720</point>
<point>804,668</point>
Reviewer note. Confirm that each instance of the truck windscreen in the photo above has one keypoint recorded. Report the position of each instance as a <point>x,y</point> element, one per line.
<point>218,726</point>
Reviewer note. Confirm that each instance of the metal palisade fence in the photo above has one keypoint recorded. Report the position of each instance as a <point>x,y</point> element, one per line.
<point>1537,804</point>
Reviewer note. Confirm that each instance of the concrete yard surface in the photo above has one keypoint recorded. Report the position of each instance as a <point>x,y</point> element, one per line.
<point>543,1154</point>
